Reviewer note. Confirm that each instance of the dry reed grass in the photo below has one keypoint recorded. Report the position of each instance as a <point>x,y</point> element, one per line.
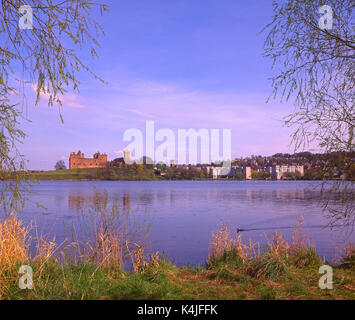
<point>278,255</point>
<point>277,245</point>
<point>139,260</point>
<point>223,241</point>
<point>347,259</point>
<point>110,247</point>
<point>13,242</point>
<point>107,248</point>
<point>13,248</point>
<point>111,237</point>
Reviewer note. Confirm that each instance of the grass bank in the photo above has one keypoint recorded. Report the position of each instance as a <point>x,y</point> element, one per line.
<point>233,270</point>
<point>96,174</point>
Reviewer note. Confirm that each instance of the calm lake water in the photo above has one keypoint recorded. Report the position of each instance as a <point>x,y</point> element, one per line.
<point>185,213</point>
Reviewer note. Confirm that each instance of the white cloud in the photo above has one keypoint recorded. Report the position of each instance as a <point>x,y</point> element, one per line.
<point>118,152</point>
<point>172,106</point>
<point>69,100</point>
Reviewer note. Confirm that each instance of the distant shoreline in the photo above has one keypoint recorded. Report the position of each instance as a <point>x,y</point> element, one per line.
<point>99,174</point>
<point>140,174</point>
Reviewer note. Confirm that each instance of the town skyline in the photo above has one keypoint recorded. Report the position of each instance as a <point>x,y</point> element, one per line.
<point>166,68</point>
<point>298,166</point>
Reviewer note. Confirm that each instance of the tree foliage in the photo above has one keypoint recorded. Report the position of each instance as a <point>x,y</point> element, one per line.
<point>315,68</point>
<point>60,165</point>
<point>45,57</point>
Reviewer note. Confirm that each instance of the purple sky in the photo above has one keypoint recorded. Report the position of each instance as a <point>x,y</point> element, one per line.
<point>184,64</point>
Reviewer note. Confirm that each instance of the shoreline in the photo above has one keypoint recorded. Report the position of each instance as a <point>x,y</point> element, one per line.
<point>233,270</point>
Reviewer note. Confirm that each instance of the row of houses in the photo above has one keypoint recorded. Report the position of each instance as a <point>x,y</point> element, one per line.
<point>277,172</point>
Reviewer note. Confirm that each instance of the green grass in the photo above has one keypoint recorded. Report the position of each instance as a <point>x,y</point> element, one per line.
<point>96,174</point>
<point>298,290</point>
<point>270,266</point>
<point>280,272</point>
<point>267,293</point>
<point>166,281</point>
<point>306,257</point>
<point>67,174</point>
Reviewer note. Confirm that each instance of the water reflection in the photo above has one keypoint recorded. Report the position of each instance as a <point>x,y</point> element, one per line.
<point>126,203</point>
<point>78,203</point>
<point>184,213</point>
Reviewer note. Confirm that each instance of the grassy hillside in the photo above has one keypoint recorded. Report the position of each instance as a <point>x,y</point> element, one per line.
<point>68,174</point>
<point>97,174</point>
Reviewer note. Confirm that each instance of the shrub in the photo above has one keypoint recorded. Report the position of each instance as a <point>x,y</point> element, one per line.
<point>306,257</point>
<point>229,258</point>
<point>270,265</point>
<point>226,249</point>
<point>302,251</point>
<point>349,257</point>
